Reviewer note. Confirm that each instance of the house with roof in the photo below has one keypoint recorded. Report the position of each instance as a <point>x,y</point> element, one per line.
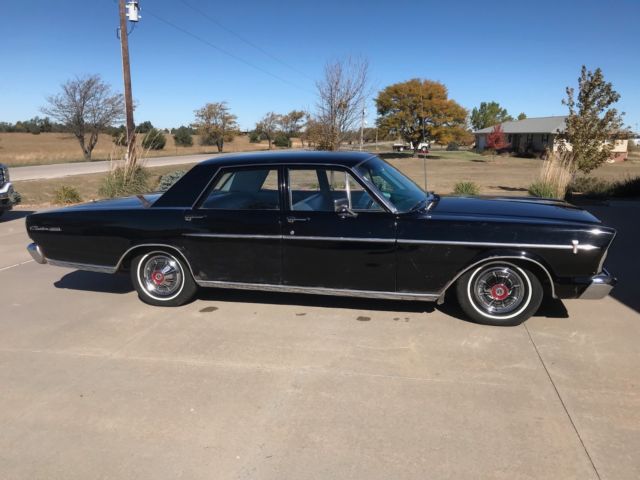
<point>535,135</point>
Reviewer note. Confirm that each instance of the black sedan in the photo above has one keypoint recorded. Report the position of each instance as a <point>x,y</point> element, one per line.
<point>335,224</point>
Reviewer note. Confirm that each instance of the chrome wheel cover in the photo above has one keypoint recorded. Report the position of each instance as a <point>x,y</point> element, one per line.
<point>161,276</point>
<point>499,290</point>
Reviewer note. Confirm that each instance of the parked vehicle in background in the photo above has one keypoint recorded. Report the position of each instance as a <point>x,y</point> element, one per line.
<point>6,190</point>
<point>422,147</point>
<point>333,224</point>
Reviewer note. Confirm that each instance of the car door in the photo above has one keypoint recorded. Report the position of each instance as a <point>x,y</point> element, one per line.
<point>234,232</point>
<point>335,234</point>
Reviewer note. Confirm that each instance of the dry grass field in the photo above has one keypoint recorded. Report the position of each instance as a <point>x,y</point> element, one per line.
<point>502,176</point>
<point>22,149</point>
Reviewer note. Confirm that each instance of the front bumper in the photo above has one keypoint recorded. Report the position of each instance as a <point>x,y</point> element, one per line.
<point>6,196</point>
<point>600,286</point>
<point>36,253</point>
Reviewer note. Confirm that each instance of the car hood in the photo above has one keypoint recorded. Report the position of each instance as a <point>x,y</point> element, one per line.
<point>124,203</point>
<point>513,207</point>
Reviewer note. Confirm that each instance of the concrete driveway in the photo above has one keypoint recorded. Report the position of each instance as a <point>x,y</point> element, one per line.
<point>95,384</point>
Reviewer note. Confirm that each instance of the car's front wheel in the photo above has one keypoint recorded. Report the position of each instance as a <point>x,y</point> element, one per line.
<point>161,278</point>
<point>499,293</point>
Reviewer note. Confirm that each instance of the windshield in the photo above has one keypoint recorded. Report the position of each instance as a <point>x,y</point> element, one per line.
<point>391,184</point>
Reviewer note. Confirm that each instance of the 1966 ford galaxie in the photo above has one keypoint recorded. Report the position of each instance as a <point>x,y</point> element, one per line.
<point>336,224</point>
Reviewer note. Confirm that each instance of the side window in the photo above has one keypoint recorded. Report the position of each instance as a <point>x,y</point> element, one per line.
<point>242,189</point>
<point>322,189</point>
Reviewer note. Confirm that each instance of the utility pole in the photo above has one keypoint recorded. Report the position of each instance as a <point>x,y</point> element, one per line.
<point>126,73</point>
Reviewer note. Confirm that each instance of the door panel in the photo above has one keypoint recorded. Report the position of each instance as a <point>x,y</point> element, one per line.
<point>235,236</point>
<point>352,250</point>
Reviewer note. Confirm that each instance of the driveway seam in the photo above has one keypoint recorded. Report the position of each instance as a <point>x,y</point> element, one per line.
<point>564,406</point>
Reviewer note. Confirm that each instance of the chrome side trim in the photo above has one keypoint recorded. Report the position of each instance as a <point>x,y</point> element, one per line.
<point>429,297</point>
<point>500,257</point>
<point>340,239</point>
<point>498,244</point>
<point>113,269</point>
<point>232,235</point>
<point>82,266</point>
<point>36,253</point>
<point>292,237</point>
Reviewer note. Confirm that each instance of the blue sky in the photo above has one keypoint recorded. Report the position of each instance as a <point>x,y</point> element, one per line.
<point>521,54</point>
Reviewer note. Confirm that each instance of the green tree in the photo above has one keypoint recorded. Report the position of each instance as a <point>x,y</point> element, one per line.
<point>269,126</point>
<point>293,122</point>
<point>144,127</point>
<point>420,109</point>
<point>488,115</point>
<point>522,116</point>
<point>592,124</point>
<point>215,124</point>
<point>154,139</point>
<point>182,136</point>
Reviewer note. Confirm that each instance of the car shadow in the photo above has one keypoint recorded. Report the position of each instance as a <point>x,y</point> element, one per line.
<point>310,300</point>
<point>121,284</point>
<point>95,282</point>
<point>15,215</point>
<point>622,261</point>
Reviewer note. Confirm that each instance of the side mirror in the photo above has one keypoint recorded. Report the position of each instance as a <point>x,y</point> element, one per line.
<point>341,207</point>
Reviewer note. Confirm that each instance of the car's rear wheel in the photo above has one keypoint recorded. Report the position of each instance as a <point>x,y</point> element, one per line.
<point>162,278</point>
<point>499,293</point>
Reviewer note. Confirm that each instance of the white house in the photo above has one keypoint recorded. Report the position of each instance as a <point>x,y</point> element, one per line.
<point>537,135</point>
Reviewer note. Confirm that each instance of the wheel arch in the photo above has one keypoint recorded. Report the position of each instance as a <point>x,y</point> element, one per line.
<point>537,265</point>
<point>126,258</point>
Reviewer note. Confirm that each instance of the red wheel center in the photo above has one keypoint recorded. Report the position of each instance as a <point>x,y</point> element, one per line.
<point>157,277</point>
<point>499,291</point>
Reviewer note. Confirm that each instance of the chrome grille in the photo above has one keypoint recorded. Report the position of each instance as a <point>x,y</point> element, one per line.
<point>3,175</point>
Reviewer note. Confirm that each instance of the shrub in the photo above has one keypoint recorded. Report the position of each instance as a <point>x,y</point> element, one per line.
<point>182,137</point>
<point>629,187</point>
<point>590,187</point>
<point>282,140</point>
<point>453,147</point>
<point>16,198</point>
<point>466,188</point>
<point>167,181</point>
<point>119,182</point>
<point>65,195</point>
<point>543,189</point>
<point>154,139</point>
<point>254,137</point>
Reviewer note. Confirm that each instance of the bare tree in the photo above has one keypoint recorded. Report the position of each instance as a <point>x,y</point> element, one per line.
<point>341,97</point>
<point>268,126</point>
<point>86,106</point>
<point>215,124</point>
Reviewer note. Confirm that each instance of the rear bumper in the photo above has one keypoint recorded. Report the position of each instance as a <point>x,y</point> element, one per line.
<point>600,286</point>
<point>36,253</point>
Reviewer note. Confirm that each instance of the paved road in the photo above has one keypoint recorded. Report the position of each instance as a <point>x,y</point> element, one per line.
<point>244,385</point>
<point>80,168</point>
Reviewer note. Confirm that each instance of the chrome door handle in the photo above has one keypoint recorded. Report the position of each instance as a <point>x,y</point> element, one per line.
<point>297,219</point>
<point>188,218</point>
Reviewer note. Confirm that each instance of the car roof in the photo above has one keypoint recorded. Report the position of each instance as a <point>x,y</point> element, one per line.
<point>347,159</point>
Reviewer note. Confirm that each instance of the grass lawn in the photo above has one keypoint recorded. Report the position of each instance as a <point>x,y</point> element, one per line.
<point>495,176</point>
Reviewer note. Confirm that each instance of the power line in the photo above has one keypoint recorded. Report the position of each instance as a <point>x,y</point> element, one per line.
<point>223,51</point>
<point>244,39</point>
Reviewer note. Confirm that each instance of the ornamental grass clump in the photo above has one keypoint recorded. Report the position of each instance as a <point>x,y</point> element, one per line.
<point>466,188</point>
<point>555,176</point>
